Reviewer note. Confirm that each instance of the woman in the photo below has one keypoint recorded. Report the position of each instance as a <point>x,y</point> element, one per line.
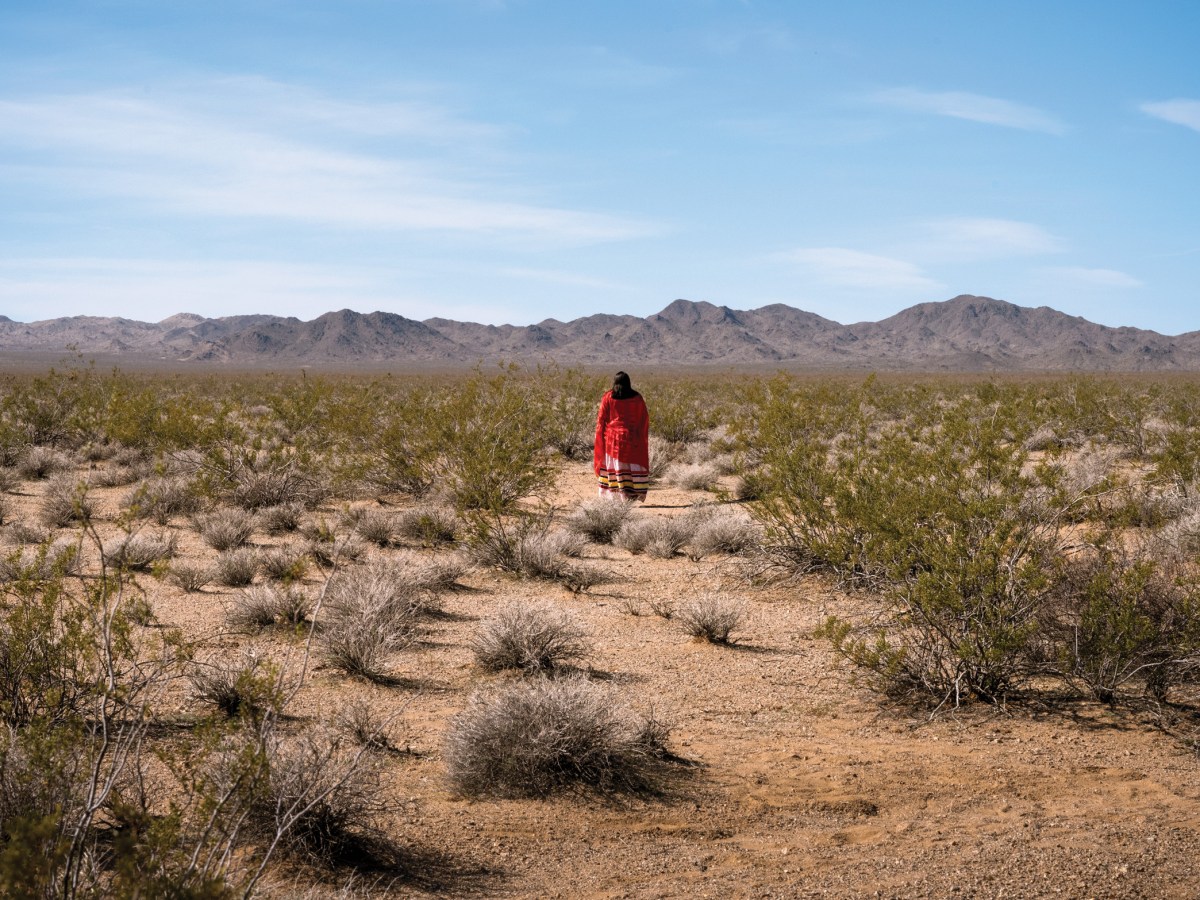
<point>622,452</point>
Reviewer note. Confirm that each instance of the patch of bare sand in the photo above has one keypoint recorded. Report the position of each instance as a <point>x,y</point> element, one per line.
<point>802,786</point>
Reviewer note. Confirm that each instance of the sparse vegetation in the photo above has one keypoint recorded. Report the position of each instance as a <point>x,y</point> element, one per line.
<point>544,736</point>
<point>65,501</point>
<point>139,551</point>
<point>600,519</point>
<point>711,618</point>
<point>977,540</point>
<point>262,606</point>
<point>369,615</point>
<point>529,637</point>
<point>236,568</point>
<point>226,529</point>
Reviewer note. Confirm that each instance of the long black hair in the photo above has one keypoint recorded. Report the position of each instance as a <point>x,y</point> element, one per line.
<point>622,389</point>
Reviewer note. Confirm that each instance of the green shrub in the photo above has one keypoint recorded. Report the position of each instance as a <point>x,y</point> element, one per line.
<point>1115,623</point>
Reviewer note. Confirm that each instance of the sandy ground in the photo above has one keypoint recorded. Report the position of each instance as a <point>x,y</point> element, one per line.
<point>803,785</point>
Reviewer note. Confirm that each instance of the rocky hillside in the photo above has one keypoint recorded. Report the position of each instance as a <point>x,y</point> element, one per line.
<point>967,333</point>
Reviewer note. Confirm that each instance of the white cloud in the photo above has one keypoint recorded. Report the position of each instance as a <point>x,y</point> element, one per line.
<point>1094,277</point>
<point>151,290</point>
<point>1180,112</point>
<point>965,238</point>
<point>972,107</point>
<point>853,268</point>
<point>284,153</point>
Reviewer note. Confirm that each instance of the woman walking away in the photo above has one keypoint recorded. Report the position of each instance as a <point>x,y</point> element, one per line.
<point>622,454</point>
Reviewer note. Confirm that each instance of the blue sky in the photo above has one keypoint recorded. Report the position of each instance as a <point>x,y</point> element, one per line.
<point>514,160</point>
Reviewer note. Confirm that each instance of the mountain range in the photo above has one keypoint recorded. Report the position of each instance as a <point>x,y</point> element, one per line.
<point>966,333</point>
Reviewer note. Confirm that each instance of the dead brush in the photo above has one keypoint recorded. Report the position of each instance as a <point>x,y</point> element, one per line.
<point>65,502</point>
<point>662,454</point>
<point>527,546</point>
<point>430,574</point>
<point>140,551</point>
<point>358,720</point>
<point>600,519</point>
<point>530,637</point>
<point>693,476</point>
<point>429,525</point>
<point>20,533</point>
<point>190,577</point>
<point>225,529</point>
<point>710,618</point>
<point>9,480</point>
<point>286,563</point>
<point>122,474</point>
<point>659,537</point>
<point>263,606</point>
<point>274,484</point>
<point>726,532</point>
<point>247,687</point>
<point>282,518</point>
<point>377,526</point>
<point>236,568</point>
<point>39,463</point>
<point>42,561</point>
<point>320,800</point>
<point>369,615</point>
<point>538,737</point>
<point>162,497</point>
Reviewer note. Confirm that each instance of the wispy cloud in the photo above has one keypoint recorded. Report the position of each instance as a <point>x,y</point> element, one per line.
<point>1179,112</point>
<point>1110,278</point>
<point>149,290</point>
<point>967,238</point>
<point>853,268</point>
<point>973,108</point>
<point>376,166</point>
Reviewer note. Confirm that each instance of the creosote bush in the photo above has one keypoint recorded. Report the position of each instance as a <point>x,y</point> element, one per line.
<point>529,637</point>
<point>537,737</point>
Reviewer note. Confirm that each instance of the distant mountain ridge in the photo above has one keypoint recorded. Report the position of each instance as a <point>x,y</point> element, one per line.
<point>966,333</point>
